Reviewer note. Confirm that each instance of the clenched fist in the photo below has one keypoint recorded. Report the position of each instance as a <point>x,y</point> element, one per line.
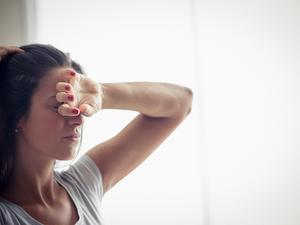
<point>78,91</point>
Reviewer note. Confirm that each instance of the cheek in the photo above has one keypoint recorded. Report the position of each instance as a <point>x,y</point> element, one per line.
<point>48,123</point>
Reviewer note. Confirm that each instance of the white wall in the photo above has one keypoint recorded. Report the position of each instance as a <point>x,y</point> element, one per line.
<point>235,159</point>
<point>248,57</point>
<point>118,41</point>
<point>12,30</point>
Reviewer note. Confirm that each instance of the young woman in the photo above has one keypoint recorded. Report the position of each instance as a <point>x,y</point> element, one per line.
<point>44,97</point>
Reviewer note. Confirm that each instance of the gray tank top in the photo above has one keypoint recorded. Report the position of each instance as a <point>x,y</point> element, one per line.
<point>82,181</point>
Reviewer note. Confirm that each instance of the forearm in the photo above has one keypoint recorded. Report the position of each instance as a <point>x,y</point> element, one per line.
<point>149,98</point>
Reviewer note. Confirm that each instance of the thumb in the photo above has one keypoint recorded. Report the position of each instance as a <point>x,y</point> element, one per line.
<point>87,110</point>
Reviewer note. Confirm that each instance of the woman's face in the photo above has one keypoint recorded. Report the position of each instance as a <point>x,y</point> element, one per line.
<point>45,130</point>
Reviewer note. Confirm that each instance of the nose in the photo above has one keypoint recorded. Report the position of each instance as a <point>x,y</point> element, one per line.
<point>75,120</point>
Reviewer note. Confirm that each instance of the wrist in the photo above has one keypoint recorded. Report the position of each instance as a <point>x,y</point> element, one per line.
<point>104,94</point>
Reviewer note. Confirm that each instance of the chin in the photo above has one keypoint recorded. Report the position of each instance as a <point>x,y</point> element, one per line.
<point>67,155</point>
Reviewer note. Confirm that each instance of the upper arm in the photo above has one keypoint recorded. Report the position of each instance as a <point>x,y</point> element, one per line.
<point>119,155</point>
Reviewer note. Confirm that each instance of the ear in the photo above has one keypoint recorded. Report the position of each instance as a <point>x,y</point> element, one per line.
<point>21,123</point>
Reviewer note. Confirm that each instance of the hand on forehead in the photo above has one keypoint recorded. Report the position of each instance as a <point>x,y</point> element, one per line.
<point>78,93</point>
<point>65,91</point>
<point>67,75</point>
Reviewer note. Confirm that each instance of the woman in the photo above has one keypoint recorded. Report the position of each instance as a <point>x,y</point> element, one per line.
<point>44,97</point>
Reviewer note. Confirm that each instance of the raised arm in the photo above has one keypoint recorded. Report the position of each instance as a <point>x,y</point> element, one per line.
<point>162,107</point>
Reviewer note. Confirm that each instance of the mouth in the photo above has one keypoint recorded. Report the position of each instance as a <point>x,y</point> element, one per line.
<point>73,136</point>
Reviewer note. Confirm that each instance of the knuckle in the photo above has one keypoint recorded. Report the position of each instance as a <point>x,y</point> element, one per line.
<point>58,86</point>
<point>59,96</point>
<point>60,110</point>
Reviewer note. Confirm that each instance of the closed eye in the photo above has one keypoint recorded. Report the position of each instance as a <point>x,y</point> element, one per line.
<point>56,107</point>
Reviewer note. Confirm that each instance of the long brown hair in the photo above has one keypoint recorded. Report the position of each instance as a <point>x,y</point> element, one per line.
<point>20,75</point>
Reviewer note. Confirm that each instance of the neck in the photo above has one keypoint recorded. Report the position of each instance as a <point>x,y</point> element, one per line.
<point>32,181</point>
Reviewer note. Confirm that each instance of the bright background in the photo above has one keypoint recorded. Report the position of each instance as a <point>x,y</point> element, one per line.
<point>235,159</point>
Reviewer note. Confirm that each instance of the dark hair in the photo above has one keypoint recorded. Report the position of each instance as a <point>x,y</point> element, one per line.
<point>20,75</point>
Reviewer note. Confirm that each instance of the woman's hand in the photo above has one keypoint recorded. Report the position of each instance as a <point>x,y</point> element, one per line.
<point>87,95</point>
<point>5,50</point>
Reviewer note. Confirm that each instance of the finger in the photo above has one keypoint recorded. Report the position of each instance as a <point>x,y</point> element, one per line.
<point>14,49</point>
<point>87,110</point>
<point>66,110</point>
<point>8,50</point>
<point>65,97</point>
<point>3,51</point>
<point>69,75</point>
<point>64,87</point>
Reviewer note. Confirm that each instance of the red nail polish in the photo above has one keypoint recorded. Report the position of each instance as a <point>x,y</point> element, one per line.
<point>67,88</point>
<point>75,111</point>
<point>72,73</point>
<point>71,97</point>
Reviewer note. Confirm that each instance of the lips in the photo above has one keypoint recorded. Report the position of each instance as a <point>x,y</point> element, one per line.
<point>73,135</point>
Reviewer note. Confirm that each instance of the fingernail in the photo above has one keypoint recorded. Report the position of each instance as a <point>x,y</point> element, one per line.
<point>75,111</point>
<point>67,88</point>
<point>71,97</point>
<point>72,73</point>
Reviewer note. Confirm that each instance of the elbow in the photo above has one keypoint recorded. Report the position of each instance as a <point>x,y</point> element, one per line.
<point>179,104</point>
<point>189,99</point>
<point>184,107</point>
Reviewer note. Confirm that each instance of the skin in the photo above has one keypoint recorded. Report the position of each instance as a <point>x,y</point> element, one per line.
<point>40,142</point>
<point>5,50</point>
<point>161,106</point>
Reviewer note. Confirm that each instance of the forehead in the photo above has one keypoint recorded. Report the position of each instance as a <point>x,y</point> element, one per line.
<point>47,86</point>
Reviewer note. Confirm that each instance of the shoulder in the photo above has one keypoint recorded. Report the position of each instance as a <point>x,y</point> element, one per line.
<point>3,207</point>
<point>85,175</point>
<point>5,214</point>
